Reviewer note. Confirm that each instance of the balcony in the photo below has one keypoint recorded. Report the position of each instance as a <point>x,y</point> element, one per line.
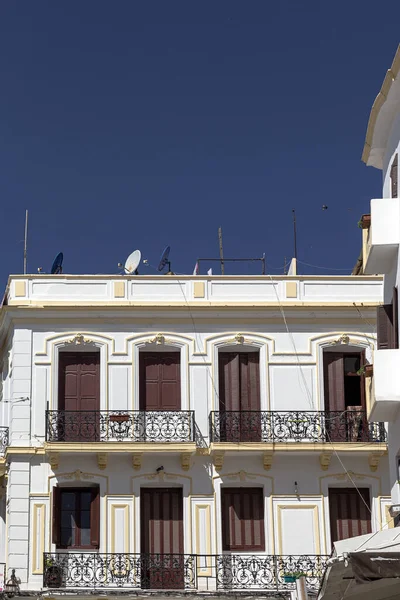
<point>385,400</point>
<point>294,426</point>
<point>121,426</point>
<point>223,572</point>
<point>381,240</point>
<point>3,440</point>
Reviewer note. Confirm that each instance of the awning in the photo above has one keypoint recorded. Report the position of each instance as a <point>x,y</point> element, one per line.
<point>366,567</point>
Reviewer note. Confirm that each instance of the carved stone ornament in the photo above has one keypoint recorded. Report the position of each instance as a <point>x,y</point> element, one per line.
<point>350,475</point>
<point>161,476</point>
<point>54,459</point>
<point>241,475</point>
<point>185,461</point>
<point>239,338</point>
<point>218,460</point>
<point>137,461</point>
<point>158,339</point>
<point>77,475</point>
<point>267,460</point>
<point>325,460</point>
<point>79,340</point>
<point>373,460</point>
<point>102,460</point>
<point>343,339</point>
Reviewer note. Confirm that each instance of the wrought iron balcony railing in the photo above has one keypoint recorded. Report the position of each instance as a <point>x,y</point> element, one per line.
<point>145,571</point>
<point>120,426</point>
<point>294,426</point>
<point>279,573</point>
<point>3,440</point>
<point>180,571</point>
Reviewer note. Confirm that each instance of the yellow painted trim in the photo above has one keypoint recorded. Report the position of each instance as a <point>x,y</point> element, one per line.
<point>20,289</point>
<point>59,479</point>
<point>119,289</point>
<point>317,534</point>
<point>379,101</point>
<point>207,508</point>
<point>38,530</point>
<point>126,526</point>
<point>40,495</point>
<point>119,447</point>
<point>199,289</point>
<point>356,447</point>
<point>291,289</point>
<point>28,450</point>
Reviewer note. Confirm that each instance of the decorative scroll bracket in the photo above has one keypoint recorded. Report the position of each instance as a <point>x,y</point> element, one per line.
<point>102,459</point>
<point>137,460</point>
<point>185,461</point>
<point>325,460</point>
<point>218,460</point>
<point>267,460</point>
<point>54,460</point>
<point>373,460</point>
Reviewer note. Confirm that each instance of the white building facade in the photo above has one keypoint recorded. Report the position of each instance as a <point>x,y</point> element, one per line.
<point>187,433</point>
<point>381,238</point>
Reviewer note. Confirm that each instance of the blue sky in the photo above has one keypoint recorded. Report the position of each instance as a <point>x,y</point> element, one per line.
<point>139,124</point>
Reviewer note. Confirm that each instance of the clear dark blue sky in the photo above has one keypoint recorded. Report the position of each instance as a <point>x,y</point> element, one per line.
<point>135,124</point>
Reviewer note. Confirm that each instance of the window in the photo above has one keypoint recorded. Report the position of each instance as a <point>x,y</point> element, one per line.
<point>394,172</point>
<point>350,513</point>
<point>387,324</point>
<point>76,522</point>
<point>242,519</point>
<point>343,385</point>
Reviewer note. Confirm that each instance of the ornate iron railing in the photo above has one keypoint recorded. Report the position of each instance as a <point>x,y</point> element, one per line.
<point>3,439</point>
<point>227,572</point>
<point>120,426</point>
<point>294,426</point>
<point>250,572</point>
<point>118,570</point>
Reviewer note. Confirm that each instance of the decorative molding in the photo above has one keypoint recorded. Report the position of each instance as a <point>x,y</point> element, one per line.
<point>325,460</point>
<point>218,460</point>
<point>239,338</point>
<point>79,340</point>
<point>102,460</point>
<point>185,460</point>
<point>78,475</point>
<point>54,460</point>
<point>158,339</point>
<point>137,460</point>
<point>373,460</point>
<point>348,476</point>
<point>267,460</point>
<point>241,476</point>
<point>161,476</point>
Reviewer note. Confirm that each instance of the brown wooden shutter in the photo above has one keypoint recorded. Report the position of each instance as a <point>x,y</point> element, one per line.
<point>95,518</point>
<point>161,521</point>
<point>249,381</point>
<point>79,381</point>
<point>384,326</point>
<point>242,519</point>
<point>160,381</point>
<point>334,381</point>
<point>395,303</point>
<point>229,377</point>
<point>56,525</point>
<point>349,512</point>
<point>394,174</point>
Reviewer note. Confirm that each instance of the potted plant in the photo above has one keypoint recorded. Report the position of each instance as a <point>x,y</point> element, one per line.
<point>367,370</point>
<point>365,222</point>
<point>53,573</point>
<point>291,577</point>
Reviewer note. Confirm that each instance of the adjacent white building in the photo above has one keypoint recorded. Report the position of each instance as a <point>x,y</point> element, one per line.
<point>197,433</point>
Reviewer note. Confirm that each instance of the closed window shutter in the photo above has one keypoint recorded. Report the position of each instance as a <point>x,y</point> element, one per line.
<point>56,525</point>
<point>384,326</point>
<point>394,173</point>
<point>95,518</point>
<point>243,519</point>
<point>229,381</point>
<point>395,303</point>
<point>334,381</point>
<point>249,381</point>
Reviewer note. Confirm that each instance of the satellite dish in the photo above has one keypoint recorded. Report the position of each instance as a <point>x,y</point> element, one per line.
<point>164,260</point>
<point>132,263</point>
<point>57,264</point>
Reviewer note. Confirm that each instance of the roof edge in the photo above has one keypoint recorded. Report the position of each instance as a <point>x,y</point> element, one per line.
<point>391,74</point>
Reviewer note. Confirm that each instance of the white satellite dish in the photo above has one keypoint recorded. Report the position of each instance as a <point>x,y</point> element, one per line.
<point>132,262</point>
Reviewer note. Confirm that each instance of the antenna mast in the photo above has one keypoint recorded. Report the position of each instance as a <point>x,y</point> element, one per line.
<point>221,251</point>
<point>294,233</point>
<point>25,241</point>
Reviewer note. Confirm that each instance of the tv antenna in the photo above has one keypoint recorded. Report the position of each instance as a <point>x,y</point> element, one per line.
<point>132,263</point>
<point>262,260</point>
<point>294,233</point>
<point>164,260</point>
<point>221,251</point>
<point>26,241</point>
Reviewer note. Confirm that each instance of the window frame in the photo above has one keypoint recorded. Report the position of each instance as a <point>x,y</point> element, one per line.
<point>224,516</point>
<point>94,517</point>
